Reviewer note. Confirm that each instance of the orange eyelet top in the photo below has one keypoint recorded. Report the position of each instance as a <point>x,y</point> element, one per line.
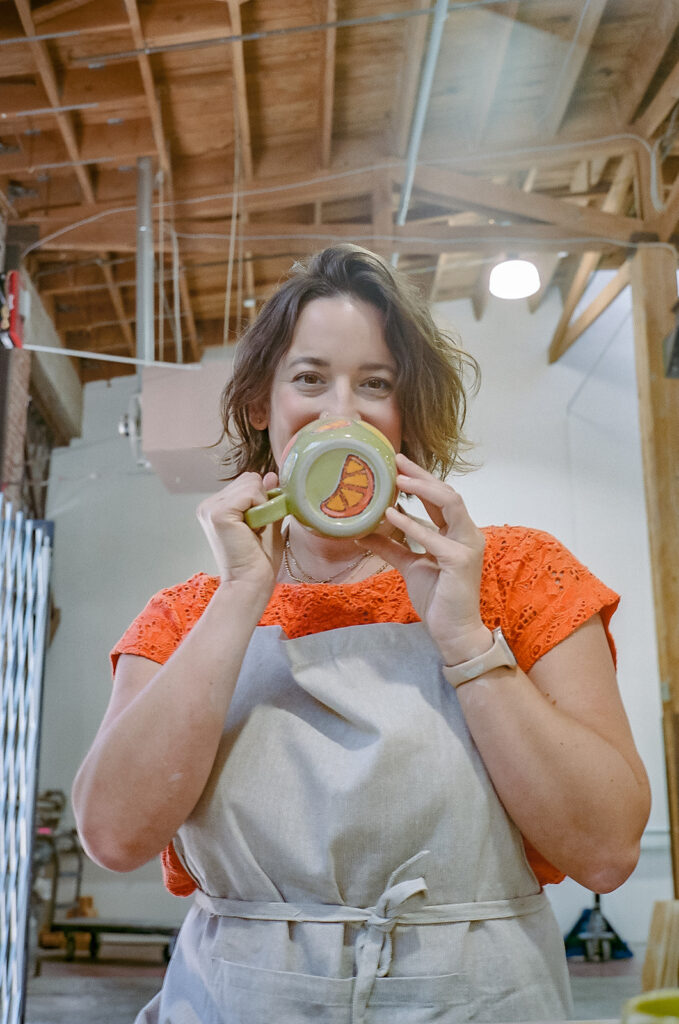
<point>532,587</point>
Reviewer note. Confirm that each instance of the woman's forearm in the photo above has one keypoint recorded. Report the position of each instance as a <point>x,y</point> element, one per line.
<point>151,760</point>
<point>579,800</point>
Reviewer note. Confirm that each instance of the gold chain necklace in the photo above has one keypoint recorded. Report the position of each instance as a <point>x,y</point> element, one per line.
<point>305,577</point>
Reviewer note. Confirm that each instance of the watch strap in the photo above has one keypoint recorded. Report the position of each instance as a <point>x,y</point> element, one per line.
<point>500,655</point>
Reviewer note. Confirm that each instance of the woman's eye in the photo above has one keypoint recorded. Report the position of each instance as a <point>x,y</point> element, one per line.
<point>378,384</point>
<point>307,377</point>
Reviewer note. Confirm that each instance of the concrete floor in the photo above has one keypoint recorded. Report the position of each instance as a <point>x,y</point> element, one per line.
<point>114,989</point>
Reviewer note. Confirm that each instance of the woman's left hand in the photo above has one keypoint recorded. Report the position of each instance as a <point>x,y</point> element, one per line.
<point>443,582</point>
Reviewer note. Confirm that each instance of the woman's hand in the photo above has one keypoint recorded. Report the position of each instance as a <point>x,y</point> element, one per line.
<point>242,553</point>
<point>444,582</point>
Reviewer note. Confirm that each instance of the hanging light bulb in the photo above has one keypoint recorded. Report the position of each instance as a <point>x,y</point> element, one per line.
<point>514,279</point>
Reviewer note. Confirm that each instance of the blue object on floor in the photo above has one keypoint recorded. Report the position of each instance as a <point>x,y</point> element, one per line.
<point>594,938</point>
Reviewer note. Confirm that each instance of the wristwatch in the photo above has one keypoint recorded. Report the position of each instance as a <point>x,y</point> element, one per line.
<point>500,655</point>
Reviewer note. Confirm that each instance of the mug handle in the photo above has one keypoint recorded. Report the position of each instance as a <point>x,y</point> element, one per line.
<point>269,511</point>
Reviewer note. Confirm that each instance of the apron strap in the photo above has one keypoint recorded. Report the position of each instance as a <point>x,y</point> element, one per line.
<point>373,945</point>
<point>326,913</point>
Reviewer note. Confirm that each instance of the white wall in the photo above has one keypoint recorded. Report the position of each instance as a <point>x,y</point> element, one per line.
<point>119,537</point>
<point>559,447</point>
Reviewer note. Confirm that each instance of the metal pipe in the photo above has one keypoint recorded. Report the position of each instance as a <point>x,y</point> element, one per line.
<point>144,304</point>
<point>39,111</point>
<point>420,114</point>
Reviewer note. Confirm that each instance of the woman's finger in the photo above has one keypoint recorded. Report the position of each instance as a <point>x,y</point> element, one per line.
<point>444,506</point>
<point>396,554</point>
<point>435,544</point>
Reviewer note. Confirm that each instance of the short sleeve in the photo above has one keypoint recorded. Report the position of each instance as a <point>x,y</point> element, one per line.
<point>544,593</point>
<point>167,618</point>
<point>175,876</point>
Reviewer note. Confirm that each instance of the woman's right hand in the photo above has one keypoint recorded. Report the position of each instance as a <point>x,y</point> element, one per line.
<point>242,553</point>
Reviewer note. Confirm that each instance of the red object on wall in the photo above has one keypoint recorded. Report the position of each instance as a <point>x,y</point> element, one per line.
<point>11,321</point>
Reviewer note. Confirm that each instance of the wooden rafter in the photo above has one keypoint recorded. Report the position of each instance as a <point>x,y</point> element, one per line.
<point>242,113</point>
<point>55,8</point>
<point>615,201</point>
<point>155,116</point>
<point>382,212</point>
<point>415,42</point>
<point>498,39</point>
<point>569,72</point>
<point>48,78</point>
<point>327,99</point>
<point>117,301</point>
<point>646,57</point>
<point>598,305</point>
<point>240,86</point>
<point>484,194</point>
<point>660,105</point>
<point>529,118</point>
<point>281,237</point>
<point>654,290</point>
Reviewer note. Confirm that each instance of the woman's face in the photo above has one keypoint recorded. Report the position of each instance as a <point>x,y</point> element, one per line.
<point>338,363</point>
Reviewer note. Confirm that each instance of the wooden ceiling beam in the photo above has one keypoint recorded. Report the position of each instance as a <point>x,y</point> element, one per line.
<point>45,70</point>
<point>240,86</point>
<point>99,144</point>
<point>242,113</point>
<point>89,18</point>
<point>116,88</point>
<point>483,194</point>
<point>117,301</point>
<point>598,305</point>
<point>327,97</point>
<point>660,106</point>
<point>262,195</point>
<point>273,238</point>
<point>17,97</point>
<point>155,115</point>
<point>644,60</point>
<point>55,8</point>
<point>382,211</point>
<point>414,49</point>
<point>499,33</point>
<point>562,90</point>
<point>543,153</point>
<point>144,65</point>
<point>654,293</point>
<point>441,264</point>
<point>615,200</point>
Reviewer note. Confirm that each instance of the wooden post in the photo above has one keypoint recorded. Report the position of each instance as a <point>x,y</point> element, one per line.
<point>654,292</point>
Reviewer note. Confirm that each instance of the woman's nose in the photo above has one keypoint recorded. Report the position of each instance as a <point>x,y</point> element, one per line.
<point>341,401</point>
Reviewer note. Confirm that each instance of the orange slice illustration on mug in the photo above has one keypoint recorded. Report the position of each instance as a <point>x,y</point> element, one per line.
<point>354,491</point>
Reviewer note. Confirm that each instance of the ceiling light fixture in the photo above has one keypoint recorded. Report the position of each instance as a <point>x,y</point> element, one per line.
<point>514,279</point>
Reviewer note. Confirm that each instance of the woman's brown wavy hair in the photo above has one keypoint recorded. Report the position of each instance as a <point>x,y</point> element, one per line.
<point>430,365</point>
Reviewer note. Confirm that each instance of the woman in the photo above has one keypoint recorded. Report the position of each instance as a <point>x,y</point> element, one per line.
<point>363,798</point>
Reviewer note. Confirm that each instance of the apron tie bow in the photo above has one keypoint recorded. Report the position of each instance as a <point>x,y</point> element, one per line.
<point>373,944</point>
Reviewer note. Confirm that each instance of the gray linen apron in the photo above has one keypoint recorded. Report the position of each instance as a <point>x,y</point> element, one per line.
<point>354,862</point>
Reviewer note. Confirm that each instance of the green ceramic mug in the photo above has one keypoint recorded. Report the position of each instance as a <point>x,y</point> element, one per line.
<point>337,477</point>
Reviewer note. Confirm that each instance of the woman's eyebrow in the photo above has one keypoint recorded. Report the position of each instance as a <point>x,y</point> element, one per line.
<point>316,361</point>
